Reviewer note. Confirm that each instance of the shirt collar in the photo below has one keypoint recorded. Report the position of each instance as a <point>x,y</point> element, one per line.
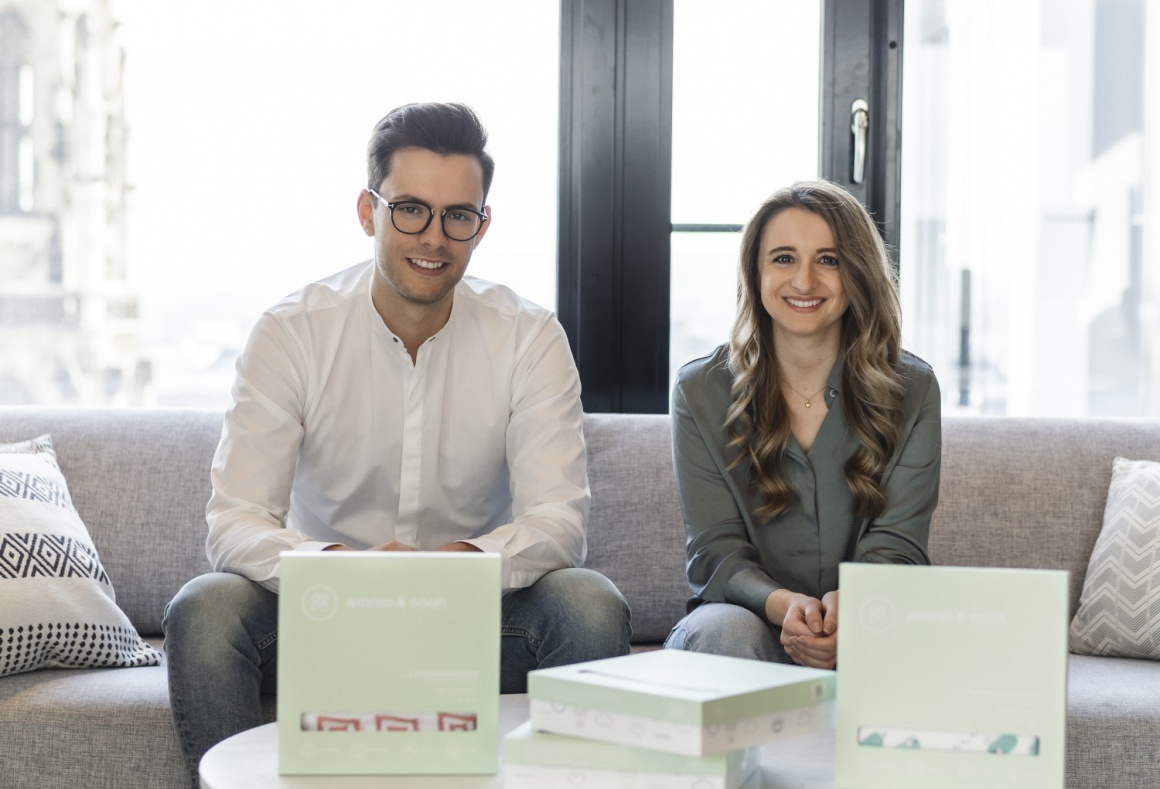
<point>834,385</point>
<point>377,319</point>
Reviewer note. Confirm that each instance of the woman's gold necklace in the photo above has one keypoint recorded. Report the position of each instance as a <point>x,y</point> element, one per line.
<point>804,397</point>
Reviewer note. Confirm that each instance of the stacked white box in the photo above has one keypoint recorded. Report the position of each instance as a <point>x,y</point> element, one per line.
<point>535,759</point>
<point>625,716</point>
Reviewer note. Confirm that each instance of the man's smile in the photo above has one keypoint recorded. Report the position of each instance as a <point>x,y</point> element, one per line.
<point>429,265</point>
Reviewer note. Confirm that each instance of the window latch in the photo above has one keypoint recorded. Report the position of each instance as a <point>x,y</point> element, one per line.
<point>860,126</point>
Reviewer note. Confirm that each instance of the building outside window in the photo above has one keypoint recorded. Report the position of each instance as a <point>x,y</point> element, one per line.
<point>69,325</point>
<point>17,109</point>
<point>190,173</point>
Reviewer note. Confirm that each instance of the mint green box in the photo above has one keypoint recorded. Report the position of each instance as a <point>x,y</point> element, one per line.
<point>534,760</point>
<point>679,702</point>
<point>388,663</point>
<point>952,677</point>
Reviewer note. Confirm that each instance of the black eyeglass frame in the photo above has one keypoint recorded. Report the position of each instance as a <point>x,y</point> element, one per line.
<point>483,217</point>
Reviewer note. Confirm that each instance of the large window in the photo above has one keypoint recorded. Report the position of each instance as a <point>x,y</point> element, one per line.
<point>1031,240</point>
<point>166,175</point>
<point>676,127</point>
<point>745,123</point>
<point>243,131</point>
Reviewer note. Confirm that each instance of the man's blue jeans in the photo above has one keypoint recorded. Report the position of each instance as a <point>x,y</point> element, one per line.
<point>221,644</point>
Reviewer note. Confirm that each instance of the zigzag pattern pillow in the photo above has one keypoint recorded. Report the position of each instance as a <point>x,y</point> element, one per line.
<point>58,609</point>
<point>1119,607</point>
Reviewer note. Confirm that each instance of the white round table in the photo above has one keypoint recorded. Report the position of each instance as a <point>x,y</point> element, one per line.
<point>249,760</point>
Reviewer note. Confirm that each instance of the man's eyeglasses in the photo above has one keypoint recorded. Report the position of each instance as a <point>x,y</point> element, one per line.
<point>459,224</point>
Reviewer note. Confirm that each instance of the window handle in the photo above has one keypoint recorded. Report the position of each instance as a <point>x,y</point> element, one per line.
<point>860,126</point>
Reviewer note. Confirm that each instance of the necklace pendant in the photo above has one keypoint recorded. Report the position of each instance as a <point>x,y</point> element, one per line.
<point>807,403</point>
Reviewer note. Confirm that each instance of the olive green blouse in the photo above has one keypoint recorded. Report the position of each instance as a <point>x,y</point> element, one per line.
<point>734,556</point>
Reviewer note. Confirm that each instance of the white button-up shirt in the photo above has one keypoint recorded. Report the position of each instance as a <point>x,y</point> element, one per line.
<point>336,436</point>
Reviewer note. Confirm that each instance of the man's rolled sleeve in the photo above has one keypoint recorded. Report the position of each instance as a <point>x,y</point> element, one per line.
<point>547,464</point>
<point>253,468</point>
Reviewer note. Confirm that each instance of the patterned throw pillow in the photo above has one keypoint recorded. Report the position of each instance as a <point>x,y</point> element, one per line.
<point>1119,607</point>
<point>57,607</point>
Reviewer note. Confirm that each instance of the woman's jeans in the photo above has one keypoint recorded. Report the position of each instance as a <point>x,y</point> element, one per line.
<point>730,630</point>
<point>221,645</point>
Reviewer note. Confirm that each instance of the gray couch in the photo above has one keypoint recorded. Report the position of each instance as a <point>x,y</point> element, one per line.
<point>1015,493</point>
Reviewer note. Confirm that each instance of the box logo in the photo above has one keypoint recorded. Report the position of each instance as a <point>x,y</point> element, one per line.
<point>877,615</point>
<point>319,603</point>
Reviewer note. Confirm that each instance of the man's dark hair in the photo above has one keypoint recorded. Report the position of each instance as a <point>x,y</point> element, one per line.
<point>444,129</point>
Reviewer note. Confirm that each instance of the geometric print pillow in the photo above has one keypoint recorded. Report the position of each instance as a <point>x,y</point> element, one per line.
<point>57,606</point>
<point>1119,608</point>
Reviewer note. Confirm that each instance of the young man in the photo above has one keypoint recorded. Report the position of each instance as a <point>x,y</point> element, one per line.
<point>396,406</point>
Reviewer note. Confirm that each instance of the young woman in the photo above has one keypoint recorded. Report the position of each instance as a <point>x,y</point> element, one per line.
<point>810,439</point>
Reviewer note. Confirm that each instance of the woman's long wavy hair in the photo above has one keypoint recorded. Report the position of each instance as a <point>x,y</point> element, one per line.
<point>758,421</point>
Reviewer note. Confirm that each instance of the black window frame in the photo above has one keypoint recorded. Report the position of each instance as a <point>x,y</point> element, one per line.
<point>614,261</point>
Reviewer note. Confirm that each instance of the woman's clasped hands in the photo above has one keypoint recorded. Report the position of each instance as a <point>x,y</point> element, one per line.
<point>809,630</point>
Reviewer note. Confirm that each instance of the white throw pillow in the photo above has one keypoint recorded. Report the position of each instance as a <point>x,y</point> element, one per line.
<point>1119,607</point>
<point>57,606</point>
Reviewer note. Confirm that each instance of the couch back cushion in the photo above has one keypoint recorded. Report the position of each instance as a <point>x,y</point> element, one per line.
<point>1015,493</point>
<point>140,481</point>
<point>1029,492</point>
<point>636,536</point>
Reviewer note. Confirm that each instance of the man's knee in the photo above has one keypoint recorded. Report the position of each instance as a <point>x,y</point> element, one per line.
<point>590,605</point>
<point>216,605</point>
<point>584,589</point>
